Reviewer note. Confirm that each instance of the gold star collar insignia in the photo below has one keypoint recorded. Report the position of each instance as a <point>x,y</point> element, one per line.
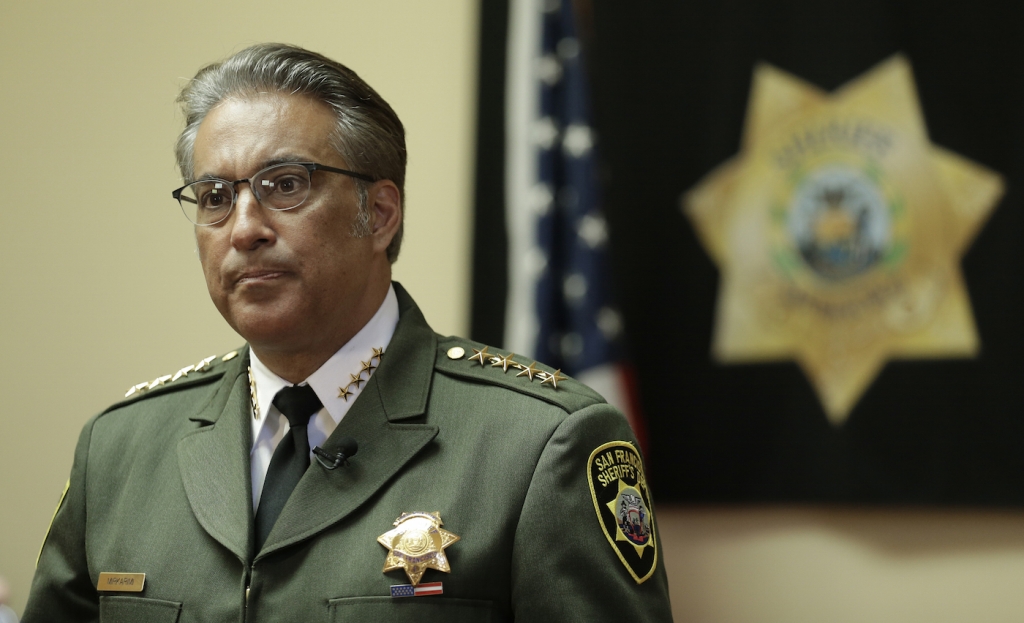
<point>481,355</point>
<point>530,371</point>
<point>417,543</point>
<point>202,366</point>
<point>552,378</point>
<point>503,361</point>
<point>838,232</point>
<point>355,380</point>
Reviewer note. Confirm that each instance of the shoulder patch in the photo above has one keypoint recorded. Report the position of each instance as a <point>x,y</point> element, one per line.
<point>622,501</point>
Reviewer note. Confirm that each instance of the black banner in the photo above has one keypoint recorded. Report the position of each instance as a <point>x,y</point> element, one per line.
<point>671,86</point>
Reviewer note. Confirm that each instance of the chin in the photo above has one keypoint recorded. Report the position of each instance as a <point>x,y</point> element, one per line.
<point>265,327</point>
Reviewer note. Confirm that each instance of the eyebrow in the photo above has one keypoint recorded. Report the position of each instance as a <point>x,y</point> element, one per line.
<point>283,159</point>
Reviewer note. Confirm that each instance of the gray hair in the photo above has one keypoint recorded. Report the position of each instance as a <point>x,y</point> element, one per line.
<point>368,135</point>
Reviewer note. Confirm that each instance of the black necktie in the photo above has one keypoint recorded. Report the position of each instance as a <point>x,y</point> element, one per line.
<point>290,460</point>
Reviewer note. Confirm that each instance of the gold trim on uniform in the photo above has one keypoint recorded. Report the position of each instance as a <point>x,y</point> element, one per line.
<point>55,511</point>
<point>252,396</point>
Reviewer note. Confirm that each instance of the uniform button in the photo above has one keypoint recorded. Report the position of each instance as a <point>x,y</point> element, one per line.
<point>456,352</point>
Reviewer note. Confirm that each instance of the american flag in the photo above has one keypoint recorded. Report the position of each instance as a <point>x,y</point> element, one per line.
<point>408,590</point>
<point>559,308</point>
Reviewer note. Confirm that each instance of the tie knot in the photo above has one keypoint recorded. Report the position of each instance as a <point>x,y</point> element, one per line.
<point>297,403</point>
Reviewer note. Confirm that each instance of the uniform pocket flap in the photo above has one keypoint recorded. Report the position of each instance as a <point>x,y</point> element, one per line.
<point>411,609</point>
<point>124,609</point>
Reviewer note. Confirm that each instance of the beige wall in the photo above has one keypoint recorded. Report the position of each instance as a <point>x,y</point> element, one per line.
<point>101,289</point>
<point>812,565</point>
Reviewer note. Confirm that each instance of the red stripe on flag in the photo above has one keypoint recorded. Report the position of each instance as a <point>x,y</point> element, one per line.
<point>433,588</point>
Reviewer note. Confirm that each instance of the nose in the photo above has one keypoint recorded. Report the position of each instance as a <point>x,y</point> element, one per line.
<point>251,227</point>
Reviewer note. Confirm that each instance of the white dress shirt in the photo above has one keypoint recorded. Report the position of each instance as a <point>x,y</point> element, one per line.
<point>272,425</point>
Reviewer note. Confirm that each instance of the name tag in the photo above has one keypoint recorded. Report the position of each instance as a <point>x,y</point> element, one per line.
<point>121,582</point>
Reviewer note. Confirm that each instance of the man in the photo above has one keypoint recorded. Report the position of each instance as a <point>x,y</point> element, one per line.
<point>484,488</point>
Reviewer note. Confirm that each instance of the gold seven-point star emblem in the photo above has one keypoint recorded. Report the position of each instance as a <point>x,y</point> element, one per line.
<point>838,232</point>
<point>417,543</point>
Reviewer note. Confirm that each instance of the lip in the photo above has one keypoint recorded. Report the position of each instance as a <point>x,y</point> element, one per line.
<point>257,276</point>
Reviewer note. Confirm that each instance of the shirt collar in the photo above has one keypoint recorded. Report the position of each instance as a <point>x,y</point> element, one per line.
<point>336,372</point>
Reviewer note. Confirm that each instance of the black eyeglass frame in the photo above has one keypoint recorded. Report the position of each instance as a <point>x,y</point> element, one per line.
<point>309,166</point>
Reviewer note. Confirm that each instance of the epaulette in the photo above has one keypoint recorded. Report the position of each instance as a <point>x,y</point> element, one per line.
<point>471,360</point>
<point>204,370</point>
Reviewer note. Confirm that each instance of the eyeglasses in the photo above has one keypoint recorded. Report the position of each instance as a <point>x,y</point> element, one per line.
<point>278,187</point>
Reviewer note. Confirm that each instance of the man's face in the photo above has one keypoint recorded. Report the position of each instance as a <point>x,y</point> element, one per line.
<point>287,281</point>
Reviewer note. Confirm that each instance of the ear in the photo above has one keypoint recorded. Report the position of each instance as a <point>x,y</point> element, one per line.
<point>385,213</point>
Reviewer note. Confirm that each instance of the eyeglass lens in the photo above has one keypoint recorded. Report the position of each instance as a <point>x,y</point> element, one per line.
<point>280,187</point>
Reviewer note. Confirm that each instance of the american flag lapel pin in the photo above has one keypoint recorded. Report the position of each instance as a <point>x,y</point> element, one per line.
<point>420,590</point>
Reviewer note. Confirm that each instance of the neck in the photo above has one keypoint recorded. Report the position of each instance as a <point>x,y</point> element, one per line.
<point>294,360</point>
<point>294,368</point>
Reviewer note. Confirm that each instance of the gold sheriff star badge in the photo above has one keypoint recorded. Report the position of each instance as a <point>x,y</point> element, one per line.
<point>838,231</point>
<point>417,543</point>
